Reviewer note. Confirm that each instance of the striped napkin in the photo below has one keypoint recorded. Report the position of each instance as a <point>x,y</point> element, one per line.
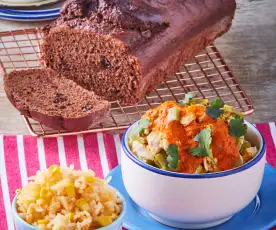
<point>21,156</point>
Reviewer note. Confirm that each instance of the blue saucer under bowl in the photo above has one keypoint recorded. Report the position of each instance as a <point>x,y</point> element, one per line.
<point>260,214</point>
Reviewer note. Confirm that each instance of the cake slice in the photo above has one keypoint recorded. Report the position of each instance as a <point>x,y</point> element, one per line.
<point>51,99</point>
<point>122,49</point>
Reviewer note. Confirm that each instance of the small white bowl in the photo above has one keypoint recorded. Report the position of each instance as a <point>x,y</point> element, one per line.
<point>20,224</point>
<point>193,201</point>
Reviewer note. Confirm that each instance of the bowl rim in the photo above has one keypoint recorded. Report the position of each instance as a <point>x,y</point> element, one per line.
<point>249,164</point>
<point>31,227</point>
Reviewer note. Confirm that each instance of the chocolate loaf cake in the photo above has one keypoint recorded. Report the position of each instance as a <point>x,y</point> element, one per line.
<point>53,100</point>
<point>121,49</point>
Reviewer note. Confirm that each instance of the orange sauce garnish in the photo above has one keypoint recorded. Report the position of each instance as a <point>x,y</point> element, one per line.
<point>224,147</point>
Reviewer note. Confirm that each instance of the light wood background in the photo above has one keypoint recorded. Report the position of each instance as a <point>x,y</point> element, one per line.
<point>249,49</point>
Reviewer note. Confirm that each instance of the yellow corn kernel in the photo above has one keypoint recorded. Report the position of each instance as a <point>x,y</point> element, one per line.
<point>33,190</point>
<point>54,169</point>
<point>61,184</point>
<point>41,202</point>
<point>45,193</point>
<point>89,179</point>
<point>82,204</point>
<point>55,174</point>
<point>33,213</point>
<point>64,202</point>
<point>43,221</point>
<point>18,191</point>
<point>104,220</point>
<point>70,190</point>
<point>71,216</point>
<point>31,210</point>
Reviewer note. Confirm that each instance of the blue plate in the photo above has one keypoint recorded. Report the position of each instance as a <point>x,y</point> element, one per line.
<point>260,214</point>
<point>30,15</point>
<point>28,4</point>
<point>8,15</point>
<point>29,12</point>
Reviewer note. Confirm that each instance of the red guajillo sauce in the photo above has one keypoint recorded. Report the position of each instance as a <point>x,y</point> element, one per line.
<point>224,147</point>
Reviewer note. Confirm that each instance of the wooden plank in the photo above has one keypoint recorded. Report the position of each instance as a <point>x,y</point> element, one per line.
<point>250,50</point>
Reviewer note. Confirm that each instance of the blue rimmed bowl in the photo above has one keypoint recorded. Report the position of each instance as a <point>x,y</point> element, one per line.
<point>193,201</point>
<point>20,224</point>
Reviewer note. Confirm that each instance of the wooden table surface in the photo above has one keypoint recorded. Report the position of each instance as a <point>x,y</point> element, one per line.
<point>249,49</point>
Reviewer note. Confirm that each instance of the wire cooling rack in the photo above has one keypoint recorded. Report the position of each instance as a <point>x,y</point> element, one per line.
<point>207,75</point>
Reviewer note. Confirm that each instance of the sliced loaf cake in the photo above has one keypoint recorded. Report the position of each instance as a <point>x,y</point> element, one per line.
<point>53,100</point>
<point>121,49</point>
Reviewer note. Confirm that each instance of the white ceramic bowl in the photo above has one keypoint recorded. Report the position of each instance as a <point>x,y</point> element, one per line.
<point>193,201</point>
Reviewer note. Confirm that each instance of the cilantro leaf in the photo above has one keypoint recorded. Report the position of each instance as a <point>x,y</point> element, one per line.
<point>237,127</point>
<point>204,140</point>
<point>141,131</point>
<point>214,110</point>
<point>217,103</point>
<point>199,152</point>
<point>187,99</point>
<point>173,156</point>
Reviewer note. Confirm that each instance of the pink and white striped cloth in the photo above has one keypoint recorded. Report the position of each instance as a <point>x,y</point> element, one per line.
<point>21,156</point>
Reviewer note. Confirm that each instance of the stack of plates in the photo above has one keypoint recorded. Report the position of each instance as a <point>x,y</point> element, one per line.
<point>29,10</point>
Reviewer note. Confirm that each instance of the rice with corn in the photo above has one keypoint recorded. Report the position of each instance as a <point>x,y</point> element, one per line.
<point>61,198</point>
